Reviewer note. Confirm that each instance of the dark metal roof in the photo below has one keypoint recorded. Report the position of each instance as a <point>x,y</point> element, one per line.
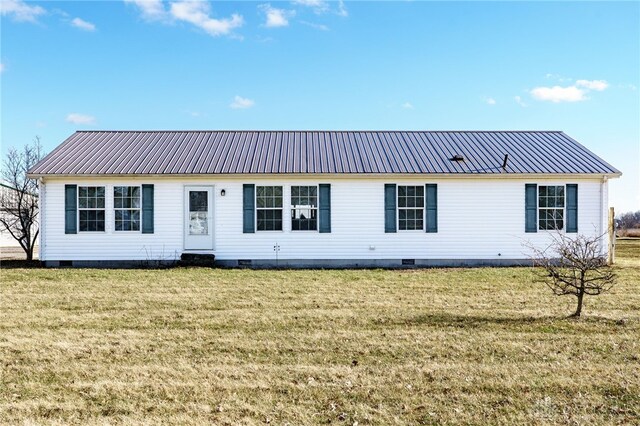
<point>319,152</point>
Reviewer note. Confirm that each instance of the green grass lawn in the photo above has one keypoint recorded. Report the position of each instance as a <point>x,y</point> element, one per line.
<point>433,346</point>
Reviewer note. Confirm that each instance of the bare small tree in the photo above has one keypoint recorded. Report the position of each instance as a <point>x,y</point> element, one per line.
<point>19,196</point>
<point>574,266</point>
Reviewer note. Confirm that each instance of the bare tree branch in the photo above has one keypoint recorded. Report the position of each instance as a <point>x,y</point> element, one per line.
<point>19,196</point>
<point>574,266</point>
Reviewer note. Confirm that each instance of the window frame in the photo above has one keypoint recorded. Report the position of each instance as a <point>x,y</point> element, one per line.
<point>423,208</point>
<point>139,209</point>
<point>316,208</point>
<point>563,208</point>
<point>79,209</point>
<point>256,208</point>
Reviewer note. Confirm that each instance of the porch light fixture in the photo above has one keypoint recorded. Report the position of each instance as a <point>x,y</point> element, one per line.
<point>222,193</point>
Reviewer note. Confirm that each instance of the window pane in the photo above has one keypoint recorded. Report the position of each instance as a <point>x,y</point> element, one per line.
<point>269,220</point>
<point>542,191</point>
<point>135,220</point>
<point>303,219</point>
<point>551,212</point>
<point>304,196</point>
<point>198,201</point>
<point>91,197</point>
<point>410,207</point>
<point>198,223</point>
<point>91,220</point>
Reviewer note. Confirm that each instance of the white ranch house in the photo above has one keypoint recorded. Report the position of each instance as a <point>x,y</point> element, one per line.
<point>316,198</point>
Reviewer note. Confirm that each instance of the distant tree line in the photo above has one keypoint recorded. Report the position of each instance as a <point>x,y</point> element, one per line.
<point>628,220</point>
<point>628,224</point>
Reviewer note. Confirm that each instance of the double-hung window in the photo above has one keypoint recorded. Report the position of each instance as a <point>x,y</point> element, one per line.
<point>269,208</point>
<point>91,208</point>
<point>126,205</point>
<point>410,207</point>
<point>304,208</point>
<point>551,203</point>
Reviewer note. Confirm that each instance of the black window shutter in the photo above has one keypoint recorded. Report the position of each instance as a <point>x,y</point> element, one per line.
<point>248,208</point>
<point>71,209</point>
<point>147,209</point>
<point>431,207</point>
<point>572,207</point>
<point>390,207</point>
<point>530,207</point>
<point>324,204</point>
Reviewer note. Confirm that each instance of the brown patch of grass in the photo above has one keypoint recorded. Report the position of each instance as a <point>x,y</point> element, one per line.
<point>629,233</point>
<point>437,346</point>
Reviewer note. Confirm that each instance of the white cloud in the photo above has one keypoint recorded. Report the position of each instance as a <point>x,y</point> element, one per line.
<point>318,6</point>
<point>519,101</point>
<point>558,94</point>
<point>197,13</point>
<point>77,118</point>
<point>152,10</point>
<point>21,11</point>
<point>342,9</point>
<point>276,17</point>
<point>557,77</point>
<point>598,85</point>
<point>574,93</point>
<point>241,103</point>
<point>322,6</point>
<point>407,105</point>
<point>490,101</point>
<point>83,25</point>
<point>320,27</point>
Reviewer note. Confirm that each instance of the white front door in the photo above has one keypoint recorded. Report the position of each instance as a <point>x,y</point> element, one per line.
<point>198,218</point>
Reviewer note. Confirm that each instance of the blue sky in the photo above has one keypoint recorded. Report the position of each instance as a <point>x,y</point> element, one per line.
<point>314,64</point>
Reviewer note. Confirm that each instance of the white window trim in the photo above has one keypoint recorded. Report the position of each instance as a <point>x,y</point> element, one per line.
<point>256,208</point>
<point>424,208</point>
<point>563,208</point>
<point>114,208</point>
<point>78,209</point>
<point>316,208</point>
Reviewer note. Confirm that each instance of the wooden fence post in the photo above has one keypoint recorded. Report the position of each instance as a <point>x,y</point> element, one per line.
<point>612,237</point>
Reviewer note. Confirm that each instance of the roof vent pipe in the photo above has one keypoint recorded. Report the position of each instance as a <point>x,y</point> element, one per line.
<point>457,157</point>
<point>506,159</point>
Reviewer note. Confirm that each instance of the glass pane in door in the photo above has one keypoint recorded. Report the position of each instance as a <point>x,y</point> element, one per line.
<point>198,212</point>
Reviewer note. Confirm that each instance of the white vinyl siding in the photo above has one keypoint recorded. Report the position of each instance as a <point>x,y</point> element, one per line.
<point>469,224</point>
